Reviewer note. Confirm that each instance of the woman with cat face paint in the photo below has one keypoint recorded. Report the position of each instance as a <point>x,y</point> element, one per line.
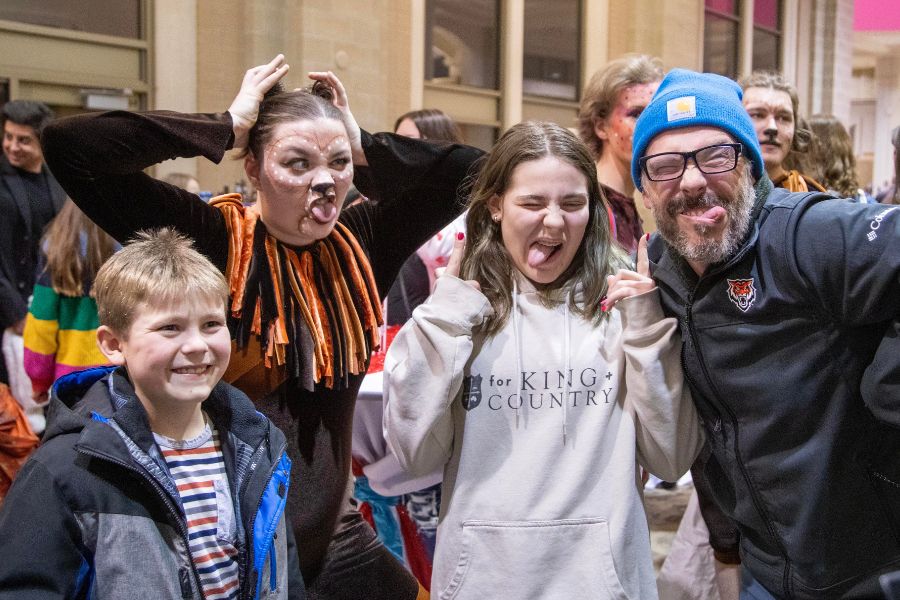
<point>306,275</point>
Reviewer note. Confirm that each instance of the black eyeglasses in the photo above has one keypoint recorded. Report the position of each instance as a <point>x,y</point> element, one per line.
<point>710,160</point>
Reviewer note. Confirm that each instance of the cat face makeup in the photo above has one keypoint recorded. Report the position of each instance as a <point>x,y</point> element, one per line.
<point>303,179</point>
<point>617,130</point>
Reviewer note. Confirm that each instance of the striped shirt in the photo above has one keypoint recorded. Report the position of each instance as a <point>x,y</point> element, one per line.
<point>198,470</point>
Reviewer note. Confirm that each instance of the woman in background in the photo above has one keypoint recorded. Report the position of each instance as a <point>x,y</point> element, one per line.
<point>62,321</point>
<point>829,158</point>
<point>892,194</point>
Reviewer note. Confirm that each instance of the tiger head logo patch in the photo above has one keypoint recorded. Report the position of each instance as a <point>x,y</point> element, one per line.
<point>741,292</point>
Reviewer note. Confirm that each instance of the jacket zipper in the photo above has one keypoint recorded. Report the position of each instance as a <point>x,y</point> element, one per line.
<point>164,496</point>
<point>753,493</point>
<point>247,567</point>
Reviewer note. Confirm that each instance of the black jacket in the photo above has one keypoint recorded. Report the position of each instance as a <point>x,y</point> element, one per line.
<point>18,246</point>
<point>792,352</point>
<point>94,513</point>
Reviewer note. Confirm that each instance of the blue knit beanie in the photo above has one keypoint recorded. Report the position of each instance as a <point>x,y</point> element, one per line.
<point>690,99</point>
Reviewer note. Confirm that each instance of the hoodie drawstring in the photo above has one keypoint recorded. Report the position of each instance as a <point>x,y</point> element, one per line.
<point>568,372</point>
<point>518,342</point>
<point>517,336</point>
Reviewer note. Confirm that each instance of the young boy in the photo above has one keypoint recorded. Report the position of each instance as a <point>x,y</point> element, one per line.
<point>154,477</point>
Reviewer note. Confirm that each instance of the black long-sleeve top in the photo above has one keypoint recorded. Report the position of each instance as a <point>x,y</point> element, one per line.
<point>99,159</point>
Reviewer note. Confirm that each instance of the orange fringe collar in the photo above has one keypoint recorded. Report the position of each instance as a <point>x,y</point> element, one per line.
<point>795,181</point>
<point>315,311</point>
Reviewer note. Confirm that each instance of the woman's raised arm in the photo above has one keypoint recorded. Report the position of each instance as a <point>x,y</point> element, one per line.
<point>99,160</point>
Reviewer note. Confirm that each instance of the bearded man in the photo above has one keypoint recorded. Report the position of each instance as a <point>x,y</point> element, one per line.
<point>791,326</point>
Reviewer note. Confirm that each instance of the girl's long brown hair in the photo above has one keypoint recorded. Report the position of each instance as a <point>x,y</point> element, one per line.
<point>486,259</point>
<point>69,268</point>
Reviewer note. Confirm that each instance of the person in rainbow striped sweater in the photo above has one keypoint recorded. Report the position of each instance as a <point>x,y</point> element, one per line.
<point>60,329</point>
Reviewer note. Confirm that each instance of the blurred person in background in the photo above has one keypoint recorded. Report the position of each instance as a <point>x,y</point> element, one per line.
<point>773,106</point>
<point>435,125</point>
<point>830,158</point>
<point>612,101</point>
<point>60,330</point>
<point>185,181</point>
<point>29,199</point>
<point>892,194</point>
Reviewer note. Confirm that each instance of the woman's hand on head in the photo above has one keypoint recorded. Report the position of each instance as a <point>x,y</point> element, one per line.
<point>455,262</point>
<point>245,107</point>
<point>626,283</point>
<point>341,102</point>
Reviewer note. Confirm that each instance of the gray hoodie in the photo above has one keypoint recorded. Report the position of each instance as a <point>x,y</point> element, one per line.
<point>542,491</point>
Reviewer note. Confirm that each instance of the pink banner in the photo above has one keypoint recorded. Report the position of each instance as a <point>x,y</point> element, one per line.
<point>876,15</point>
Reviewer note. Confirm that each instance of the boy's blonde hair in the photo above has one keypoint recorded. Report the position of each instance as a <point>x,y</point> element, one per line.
<point>155,268</point>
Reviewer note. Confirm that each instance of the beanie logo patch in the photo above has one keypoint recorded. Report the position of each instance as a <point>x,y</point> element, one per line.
<point>681,108</point>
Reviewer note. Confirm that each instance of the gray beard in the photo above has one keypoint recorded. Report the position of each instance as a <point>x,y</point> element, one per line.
<point>709,251</point>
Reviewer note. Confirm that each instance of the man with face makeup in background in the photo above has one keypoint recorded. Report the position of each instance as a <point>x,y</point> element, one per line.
<point>788,310</point>
<point>613,100</point>
<point>772,104</point>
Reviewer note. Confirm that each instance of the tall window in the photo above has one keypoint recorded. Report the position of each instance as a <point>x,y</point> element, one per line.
<point>726,51</point>
<point>552,48</point>
<point>766,34</point>
<point>721,38</point>
<point>120,18</point>
<point>462,43</point>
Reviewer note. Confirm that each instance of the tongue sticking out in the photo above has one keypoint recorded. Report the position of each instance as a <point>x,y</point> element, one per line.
<point>710,216</point>
<point>323,211</point>
<point>538,254</point>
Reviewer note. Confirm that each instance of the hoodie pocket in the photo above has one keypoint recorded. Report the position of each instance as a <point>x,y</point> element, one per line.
<point>566,558</point>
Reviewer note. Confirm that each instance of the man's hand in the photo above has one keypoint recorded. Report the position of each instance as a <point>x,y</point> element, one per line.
<point>245,107</point>
<point>627,283</point>
<point>343,104</point>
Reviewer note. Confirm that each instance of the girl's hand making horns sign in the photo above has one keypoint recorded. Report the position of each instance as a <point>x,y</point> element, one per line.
<point>626,283</point>
<point>455,261</point>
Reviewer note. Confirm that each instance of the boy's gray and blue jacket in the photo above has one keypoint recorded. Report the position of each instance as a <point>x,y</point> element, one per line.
<point>94,513</point>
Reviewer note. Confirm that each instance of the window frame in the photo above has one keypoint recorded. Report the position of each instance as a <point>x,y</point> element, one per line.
<point>746,28</point>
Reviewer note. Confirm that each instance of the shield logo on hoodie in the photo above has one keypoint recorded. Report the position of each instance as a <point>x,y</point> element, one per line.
<point>471,392</point>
